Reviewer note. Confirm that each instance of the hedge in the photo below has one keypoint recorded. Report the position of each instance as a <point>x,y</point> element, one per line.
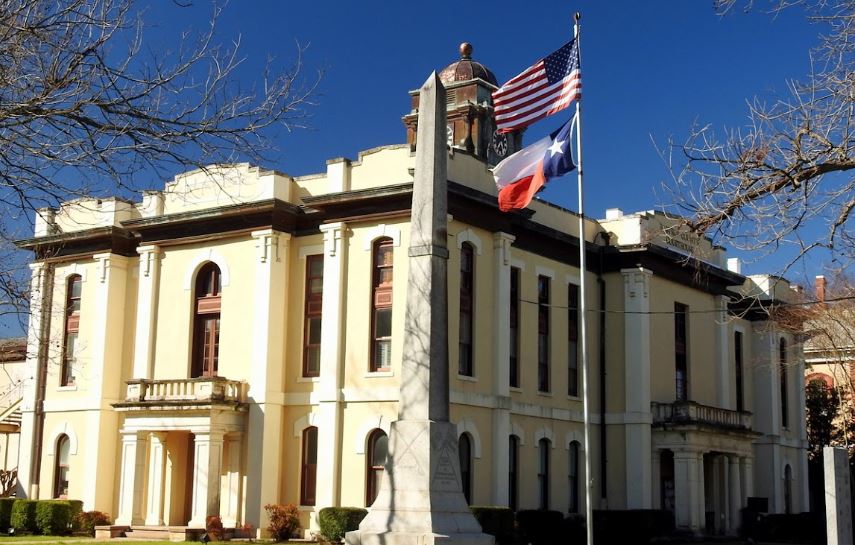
<point>23,517</point>
<point>334,522</point>
<point>53,517</point>
<point>632,525</point>
<point>539,527</point>
<point>496,521</point>
<point>6,513</point>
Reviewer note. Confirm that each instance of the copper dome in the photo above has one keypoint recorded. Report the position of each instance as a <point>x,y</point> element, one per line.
<point>466,69</point>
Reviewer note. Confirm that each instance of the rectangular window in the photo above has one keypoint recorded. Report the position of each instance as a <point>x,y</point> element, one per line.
<point>309,472</point>
<point>572,340</point>
<point>381,320</point>
<point>467,283</point>
<point>681,361</point>
<point>312,318</point>
<point>785,404</point>
<point>514,370</point>
<point>737,360</point>
<point>543,333</point>
<point>74,287</point>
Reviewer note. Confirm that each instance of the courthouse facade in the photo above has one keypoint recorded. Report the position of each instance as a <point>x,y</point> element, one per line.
<point>234,340</point>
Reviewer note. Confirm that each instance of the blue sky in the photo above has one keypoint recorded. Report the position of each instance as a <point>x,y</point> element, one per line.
<point>650,70</point>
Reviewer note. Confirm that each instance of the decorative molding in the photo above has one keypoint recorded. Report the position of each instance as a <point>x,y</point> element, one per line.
<point>202,257</point>
<point>636,282</point>
<point>381,231</point>
<point>468,426</point>
<point>312,249</point>
<point>468,235</point>
<point>518,264</point>
<point>333,233</point>
<point>107,261</point>
<point>267,244</point>
<point>366,427</point>
<point>75,268</point>
<point>305,421</point>
<point>544,433</point>
<point>148,256</point>
<point>62,429</point>
<point>577,437</point>
<point>502,245</point>
<point>518,430</point>
<point>544,271</point>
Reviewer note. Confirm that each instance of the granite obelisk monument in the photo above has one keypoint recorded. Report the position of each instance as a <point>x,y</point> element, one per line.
<point>420,500</point>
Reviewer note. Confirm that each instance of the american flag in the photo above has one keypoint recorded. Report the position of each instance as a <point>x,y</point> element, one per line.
<point>546,87</point>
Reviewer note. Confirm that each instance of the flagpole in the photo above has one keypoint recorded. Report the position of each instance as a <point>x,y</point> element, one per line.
<point>583,318</point>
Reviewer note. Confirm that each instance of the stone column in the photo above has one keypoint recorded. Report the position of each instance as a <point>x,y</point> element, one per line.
<point>147,296</point>
<point>331,365</point>
<point>156,478</point>
<point>701,499</point>
<point>267,381</point>
<point>838,511</point>
<point>38,333</point>
<point>722,343</point>
<point>735,495</point>
<point>637,381</point>
<point>688,491</point>
<point>420,500</point>
<point>230,496</point>
<point>501,367</point>
<point>748,476</point>
<point>132,478</point>
<point>207,465</point>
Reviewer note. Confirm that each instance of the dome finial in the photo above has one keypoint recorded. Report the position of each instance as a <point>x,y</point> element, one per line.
<point>466,50</point>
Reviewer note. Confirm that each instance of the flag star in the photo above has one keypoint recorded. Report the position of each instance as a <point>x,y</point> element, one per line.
<point>555,148</point>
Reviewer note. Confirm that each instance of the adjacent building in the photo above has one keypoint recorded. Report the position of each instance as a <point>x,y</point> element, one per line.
<point>233,340</point>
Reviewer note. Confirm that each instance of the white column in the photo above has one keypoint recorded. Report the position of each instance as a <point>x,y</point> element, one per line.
<point>38,331</point>
<point>748,477</point>
<point>735,494</point>
<point>637,382</point>
<point>501,367</point>
<point>332,365</point>
<point>230,496</point>
<point>156,478</point>
<point>207,465</point>
<point>656,479</point>
<point>688,492</point>
<point>147,296</point>
<point>132,478</point>
<point>725,485</point>
<point>725,379</point>
<point>700,499</point>
<point>267,380</point>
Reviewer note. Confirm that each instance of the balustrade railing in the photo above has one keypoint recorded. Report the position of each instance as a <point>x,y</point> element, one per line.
<point>205,389</point>
<point>690,412</point>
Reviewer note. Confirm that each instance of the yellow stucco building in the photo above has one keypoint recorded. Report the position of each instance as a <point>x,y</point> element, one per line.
<point>234,340</point>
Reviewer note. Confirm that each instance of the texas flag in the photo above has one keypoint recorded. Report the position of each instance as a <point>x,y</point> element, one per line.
<point>525,172</point>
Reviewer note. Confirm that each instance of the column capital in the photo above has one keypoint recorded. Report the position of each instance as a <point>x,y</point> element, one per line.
<point>107,261</point>
<point>149,254</point>
<point>267,244</point>
<point>636,281</point>
<point>502,244</point>
<point>333,234</point>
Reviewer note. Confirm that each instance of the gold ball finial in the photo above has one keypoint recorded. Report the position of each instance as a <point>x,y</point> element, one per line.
<point>465,50</point>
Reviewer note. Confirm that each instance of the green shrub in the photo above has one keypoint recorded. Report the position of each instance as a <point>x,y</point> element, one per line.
<point>6,513</point>
<point>632,525</point>
<point>335,521</point>
<point>284,520</point>
<point>539,527</point>
<point>76,509</point>
<point>23,517</point>
<point>86,521</point>
<point>496,521</point>
<point>53,517</point>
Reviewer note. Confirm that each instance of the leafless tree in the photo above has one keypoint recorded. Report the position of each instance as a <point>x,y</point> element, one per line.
<point>787,175</point>
<point>87,106</point>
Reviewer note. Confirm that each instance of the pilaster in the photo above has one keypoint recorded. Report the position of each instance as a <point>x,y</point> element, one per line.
<point>207,465</point>
<point>637,381</point>
<point>270,301</point>
<point>38,332</point>
<point>501,366</point>
<point>747,465</point>
<point>147,298</point>
<point>722,344</point>
<point>132,478</point>
<point>230,496</point>
<point>736,497</point>
<point>332,322</point>
<point>156,478</point>
<point>688,489</point>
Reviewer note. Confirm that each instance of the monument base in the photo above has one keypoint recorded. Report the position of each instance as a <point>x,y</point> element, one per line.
<point>420,500</point>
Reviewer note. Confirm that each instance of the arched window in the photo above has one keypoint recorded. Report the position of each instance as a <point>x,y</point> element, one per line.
<point>513,471</point>
<point>206,326</point>
<point>573,476</point>
<point>381,305</point>
<point>312,319</point>
<point>60,472</point>
<point>309,466</point>
<point>72,328</point>
<point>785,405</point>
<point>464,449</point>
<point>788,489</point>
<point>378,448</point>
<point>467,295</point>
<point>543,473</point>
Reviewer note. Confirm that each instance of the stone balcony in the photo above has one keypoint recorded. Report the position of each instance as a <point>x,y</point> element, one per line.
<point>186,392</point>
<point>692,414</point>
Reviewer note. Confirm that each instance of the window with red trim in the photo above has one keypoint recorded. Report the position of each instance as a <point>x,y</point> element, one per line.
<point>467,279</point>
<point>206,326</point>
<point>378,448</point>
<point>74,287</point>
<point>312,321</point>
<point>309,466</point>
<point>381,305</point>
